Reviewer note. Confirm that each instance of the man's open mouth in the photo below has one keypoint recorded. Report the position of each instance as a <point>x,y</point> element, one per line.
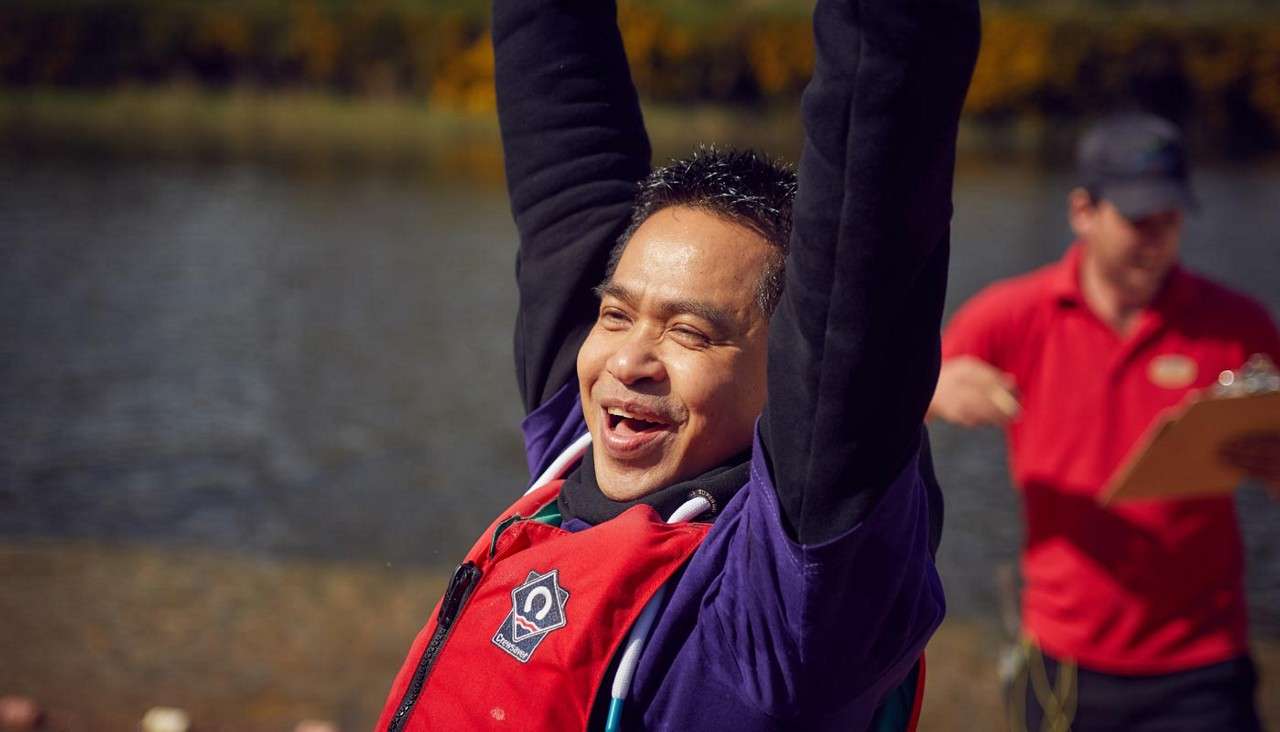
<point>628,433</point>
<point>623,422</point>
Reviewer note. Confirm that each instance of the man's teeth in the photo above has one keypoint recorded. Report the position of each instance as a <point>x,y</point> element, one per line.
<point>624,414</point>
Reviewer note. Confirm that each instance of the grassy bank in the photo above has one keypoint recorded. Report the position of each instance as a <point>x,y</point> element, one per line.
<point>315,130</point>
<point>100,633</point>
<point>291,129</point>
<point>326,133</point>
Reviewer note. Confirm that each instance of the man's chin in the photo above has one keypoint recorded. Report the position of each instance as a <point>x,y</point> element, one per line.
<point>1145,285</point>
<point>625,482</point>
<point>621,489</point>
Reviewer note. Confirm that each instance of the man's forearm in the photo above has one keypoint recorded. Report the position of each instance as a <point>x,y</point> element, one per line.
<point>854,344</point>
<point>575,146</point>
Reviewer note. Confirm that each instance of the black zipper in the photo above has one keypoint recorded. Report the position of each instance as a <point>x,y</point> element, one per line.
<point>503,525</point>
<point>460,586</point>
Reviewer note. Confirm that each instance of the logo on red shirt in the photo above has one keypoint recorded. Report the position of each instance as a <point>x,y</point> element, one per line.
<point>1172,371</point>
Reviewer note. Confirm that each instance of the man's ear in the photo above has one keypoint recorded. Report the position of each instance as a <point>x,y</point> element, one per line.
<point>1082,210</point>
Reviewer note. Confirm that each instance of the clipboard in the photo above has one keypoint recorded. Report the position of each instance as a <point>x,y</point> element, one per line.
<point>1178,455</point>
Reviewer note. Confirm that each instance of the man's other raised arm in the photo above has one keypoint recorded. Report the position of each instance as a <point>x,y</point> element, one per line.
<point>853,351</point>
<point>575,147</point>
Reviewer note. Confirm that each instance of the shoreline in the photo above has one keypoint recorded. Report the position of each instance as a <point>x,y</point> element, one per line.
<point>317,131</point>
<point>98,633</point>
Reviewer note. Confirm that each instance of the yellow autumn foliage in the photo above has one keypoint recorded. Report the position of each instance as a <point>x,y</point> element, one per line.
<point>1014,62</point>
<point>1224,71</point>
<point>466,80</point>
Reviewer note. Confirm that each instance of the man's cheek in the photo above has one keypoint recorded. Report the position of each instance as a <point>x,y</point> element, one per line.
<point>590,364</point>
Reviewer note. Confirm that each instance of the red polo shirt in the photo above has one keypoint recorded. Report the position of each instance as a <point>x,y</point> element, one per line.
<point>1146,587</point>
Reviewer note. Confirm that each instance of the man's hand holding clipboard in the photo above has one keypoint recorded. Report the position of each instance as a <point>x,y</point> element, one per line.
<point>1208,444</point>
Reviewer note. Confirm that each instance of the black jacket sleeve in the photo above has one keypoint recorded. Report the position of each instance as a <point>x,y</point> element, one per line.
<point>575,147</point>
<point>854,345</point>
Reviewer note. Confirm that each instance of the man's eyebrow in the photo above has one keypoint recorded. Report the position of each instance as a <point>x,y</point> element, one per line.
<point>616,291</point>
<point>720,319</point>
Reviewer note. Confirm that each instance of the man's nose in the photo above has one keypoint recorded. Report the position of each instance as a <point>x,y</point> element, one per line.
<point>637,360</point>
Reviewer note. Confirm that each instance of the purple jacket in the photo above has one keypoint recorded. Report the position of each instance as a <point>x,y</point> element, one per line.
<point>761,633</point>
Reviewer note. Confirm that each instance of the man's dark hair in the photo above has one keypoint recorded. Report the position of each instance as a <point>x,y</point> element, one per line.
<point>742,186</point>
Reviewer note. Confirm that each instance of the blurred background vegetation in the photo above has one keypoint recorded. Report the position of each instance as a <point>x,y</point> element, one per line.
<point>249,75</point>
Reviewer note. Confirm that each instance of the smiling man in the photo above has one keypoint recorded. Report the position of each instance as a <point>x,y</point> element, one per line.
<point>732,512</point>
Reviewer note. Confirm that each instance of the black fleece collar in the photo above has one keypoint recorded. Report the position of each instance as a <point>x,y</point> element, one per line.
<point>580,496</point>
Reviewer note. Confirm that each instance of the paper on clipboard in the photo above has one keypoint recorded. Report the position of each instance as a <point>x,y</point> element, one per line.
<point>1178,456</point>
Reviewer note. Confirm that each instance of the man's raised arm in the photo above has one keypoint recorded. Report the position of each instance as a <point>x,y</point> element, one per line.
<point>853,352</point>
<point>575,146</point>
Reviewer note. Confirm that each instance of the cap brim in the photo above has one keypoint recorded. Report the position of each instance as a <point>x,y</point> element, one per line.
<point>1141,198</point>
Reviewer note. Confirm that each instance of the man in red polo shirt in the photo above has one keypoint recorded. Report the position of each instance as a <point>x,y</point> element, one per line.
<point>1135,612</point>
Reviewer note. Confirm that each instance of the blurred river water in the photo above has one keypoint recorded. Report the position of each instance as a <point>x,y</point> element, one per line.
<point>231,357</point>
<point>228,358</point>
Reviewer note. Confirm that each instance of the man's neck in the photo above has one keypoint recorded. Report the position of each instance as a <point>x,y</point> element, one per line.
<point>1115,305</point>
<point>581,497</point>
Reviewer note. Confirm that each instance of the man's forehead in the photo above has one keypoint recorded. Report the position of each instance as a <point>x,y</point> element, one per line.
<point>680,240</point>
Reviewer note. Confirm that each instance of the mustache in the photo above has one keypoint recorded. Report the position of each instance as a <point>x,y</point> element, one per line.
<point>661,409</point>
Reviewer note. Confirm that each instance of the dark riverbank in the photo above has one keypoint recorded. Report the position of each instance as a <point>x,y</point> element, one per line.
<point>99,633</point>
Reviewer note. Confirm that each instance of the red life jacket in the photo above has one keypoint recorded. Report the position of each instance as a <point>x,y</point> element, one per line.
<point>532,619</point>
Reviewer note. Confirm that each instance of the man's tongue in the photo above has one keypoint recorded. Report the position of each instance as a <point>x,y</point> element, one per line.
<point>631,426</point>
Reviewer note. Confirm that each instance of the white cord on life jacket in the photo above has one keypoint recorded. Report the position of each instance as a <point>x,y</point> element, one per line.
<point>571,454</point>
<point>687,511</point>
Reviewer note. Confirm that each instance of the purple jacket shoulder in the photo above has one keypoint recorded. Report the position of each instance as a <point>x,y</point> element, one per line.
<point>551,428</point>
<point>762,633</point>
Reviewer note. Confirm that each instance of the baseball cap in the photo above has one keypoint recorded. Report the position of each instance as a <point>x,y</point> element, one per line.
<point>1138,162</point>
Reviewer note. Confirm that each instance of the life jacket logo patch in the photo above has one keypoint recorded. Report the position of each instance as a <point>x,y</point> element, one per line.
<point>537,608</point>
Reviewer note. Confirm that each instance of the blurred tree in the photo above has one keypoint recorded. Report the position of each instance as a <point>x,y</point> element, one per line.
<point>1216,60</point>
